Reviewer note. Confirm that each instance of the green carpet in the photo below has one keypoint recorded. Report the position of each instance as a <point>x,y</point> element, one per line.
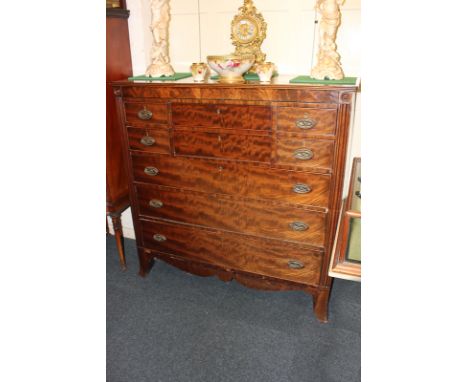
<point>175,77</point>
<point>308,80</point>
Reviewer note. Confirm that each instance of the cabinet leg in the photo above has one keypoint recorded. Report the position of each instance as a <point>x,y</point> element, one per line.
<point>146,263</point>
<point>117,224</point>
<point>321,304</point>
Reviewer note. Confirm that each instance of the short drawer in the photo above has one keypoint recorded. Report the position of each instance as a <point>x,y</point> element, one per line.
<point>150,140</point>
<point>239,146</point>
<point>306,120</point>
<point>246,117</point>
<point>146,113</point>
<point>233,178</point>
<point>304,152</point>
<point>272,258</point>
<point>233,214</point>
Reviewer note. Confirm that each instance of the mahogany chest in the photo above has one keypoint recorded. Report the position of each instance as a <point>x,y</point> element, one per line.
<point>239,181</point>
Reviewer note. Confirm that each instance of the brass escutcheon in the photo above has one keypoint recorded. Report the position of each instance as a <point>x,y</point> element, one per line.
<point>147,140</point>
<point>155,203</point>
<point>295,264</point>
<point>306,123</point>
<point>303,154</point>
<point>299,226</point>
<point>151,171</point>
<point>160,238</point>
<point>301,188</point>
<point>145,114</point>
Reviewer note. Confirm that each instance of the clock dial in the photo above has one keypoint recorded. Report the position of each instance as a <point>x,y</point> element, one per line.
<point>245,30</point>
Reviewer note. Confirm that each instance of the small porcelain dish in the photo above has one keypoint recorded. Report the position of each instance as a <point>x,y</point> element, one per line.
<point>231,67</point>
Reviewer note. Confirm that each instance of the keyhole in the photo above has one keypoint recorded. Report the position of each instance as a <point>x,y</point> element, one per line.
<point>219,138</point>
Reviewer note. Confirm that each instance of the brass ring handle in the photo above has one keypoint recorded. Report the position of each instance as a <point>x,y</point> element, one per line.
<point>306,123</point>
<point>295,264</point>
<point>147,140</point>
<point>145,114</point>
<point>159,238</point>
<point>151,171</point>
<point>301,188</point>
<point>155,203</point>
<point>303,154</point>
<point>299,226</point>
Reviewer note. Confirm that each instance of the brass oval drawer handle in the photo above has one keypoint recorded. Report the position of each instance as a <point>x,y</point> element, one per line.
<point>145,114</point>
<point>303,154</point>
<point>151,171</point>
<point>159,238</point>
<point>295,264</point>
<point>306,123</point>
<point>299,226</point>
<point>301,188</point>
<point>155,203</point>
<point>148,141</point>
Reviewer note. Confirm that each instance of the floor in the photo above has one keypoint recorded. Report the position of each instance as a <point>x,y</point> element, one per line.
<point>175,327</point>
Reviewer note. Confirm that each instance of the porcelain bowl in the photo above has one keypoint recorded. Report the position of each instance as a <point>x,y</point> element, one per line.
<point>231,67</point>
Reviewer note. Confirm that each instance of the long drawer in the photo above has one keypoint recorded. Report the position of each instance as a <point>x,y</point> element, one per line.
<point>271,258</point>
<point>256,217</point>
<point>233,178</point>
<point>241,145</point>
<point>223,115</point>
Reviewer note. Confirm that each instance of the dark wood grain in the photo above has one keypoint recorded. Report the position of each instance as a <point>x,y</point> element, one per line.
<point>233,178</point>
<point>258,217</point>
<point>246,147</point>
<point>225,191</point>
<point>322,151</point>
<point>324,119</point>
<point>118,66</point>
<point>222,115</point>
<point>161,138</point>
<point>159,112</point>
<point>234,251</point>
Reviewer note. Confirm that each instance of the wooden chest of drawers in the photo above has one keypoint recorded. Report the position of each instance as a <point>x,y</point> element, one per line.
<point>239,181</point>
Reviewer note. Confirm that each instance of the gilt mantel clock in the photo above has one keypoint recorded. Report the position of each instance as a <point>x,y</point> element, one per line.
<point>248,30</point>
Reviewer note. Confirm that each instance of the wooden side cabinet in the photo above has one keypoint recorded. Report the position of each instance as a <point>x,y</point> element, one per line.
<point>118,66</point>
<point>346,259</point>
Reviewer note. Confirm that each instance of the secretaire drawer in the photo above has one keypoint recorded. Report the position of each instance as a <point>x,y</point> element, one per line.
<point>305,152</point>
<point>272,258</point>
<point>233,214</point>
<point>146,113</point>
<point>239,145</point>
<point>306,120</point>
<point>233,178</point>
<point>248,117</point>
<point>150,140</point>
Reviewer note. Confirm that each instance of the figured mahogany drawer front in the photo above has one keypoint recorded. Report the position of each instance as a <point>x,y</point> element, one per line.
<point>146,113</point>
<point>233,214</point>
<point>245,147</point>
<point>225,116</point>
<point>234,178</point>
<point>306,120</point>
<point>266,257</point>
<point>150,140</point>
<point>308,153</point>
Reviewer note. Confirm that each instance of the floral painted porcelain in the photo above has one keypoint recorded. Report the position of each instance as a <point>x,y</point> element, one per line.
<point>265,71</point>
<point>231,67</point>
<point>199,70</point>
